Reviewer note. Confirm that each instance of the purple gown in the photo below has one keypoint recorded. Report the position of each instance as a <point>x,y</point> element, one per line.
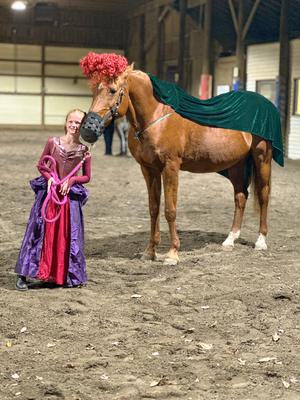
<point>30,252</point>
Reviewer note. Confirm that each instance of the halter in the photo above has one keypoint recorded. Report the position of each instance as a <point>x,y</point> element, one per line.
<point>92,122</point>
<point>113,111</point>
<point>52,194</point>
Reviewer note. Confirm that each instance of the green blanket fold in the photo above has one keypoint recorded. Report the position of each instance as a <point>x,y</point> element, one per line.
<point>241,111</point>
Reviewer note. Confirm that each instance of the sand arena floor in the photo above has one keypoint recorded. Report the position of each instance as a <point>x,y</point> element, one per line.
<point>219,326</point>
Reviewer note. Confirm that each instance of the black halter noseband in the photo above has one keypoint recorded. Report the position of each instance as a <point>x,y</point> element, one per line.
<point>92,126</point>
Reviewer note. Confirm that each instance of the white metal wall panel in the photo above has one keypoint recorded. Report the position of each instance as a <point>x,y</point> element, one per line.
<point>294,138</point>
<point>28,52</point>
<point>8,84</point>
<point>28,84</point>
<point>10,51</point>
<point>262,63</point>
<point>28,68</point>
<point>71,54</point>
<point>20,109</point>
<point>63,70</point>
<point>57,107</point>
<point>7,51</point>
<point>20,68</point>
<point>294,131</point>
<point>66,86</point>
<point>21,83</point>
<point>7,67</point>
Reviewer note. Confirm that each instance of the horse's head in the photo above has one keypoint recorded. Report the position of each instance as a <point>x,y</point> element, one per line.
<point>107,74</point>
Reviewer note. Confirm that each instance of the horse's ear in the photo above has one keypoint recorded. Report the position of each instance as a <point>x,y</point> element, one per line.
<point>125,74</point>
<point>129,69</point>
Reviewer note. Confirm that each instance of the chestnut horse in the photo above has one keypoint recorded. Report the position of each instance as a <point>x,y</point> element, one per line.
<point>163,143</point>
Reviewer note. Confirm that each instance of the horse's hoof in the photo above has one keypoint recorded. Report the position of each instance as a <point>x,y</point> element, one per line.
<point>260,246</point>
<point>228,243</point>
<point>227,247</point>
<point>170,261</point>
<point>261,243</point>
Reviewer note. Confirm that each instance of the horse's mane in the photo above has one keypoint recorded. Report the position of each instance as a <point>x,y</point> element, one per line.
<point>137,72</point>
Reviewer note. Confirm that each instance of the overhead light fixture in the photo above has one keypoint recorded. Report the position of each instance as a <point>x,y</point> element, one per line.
<point>18,5</point>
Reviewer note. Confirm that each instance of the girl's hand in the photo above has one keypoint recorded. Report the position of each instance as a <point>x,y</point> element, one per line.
<point>64,188</point>
<point>50,181</point>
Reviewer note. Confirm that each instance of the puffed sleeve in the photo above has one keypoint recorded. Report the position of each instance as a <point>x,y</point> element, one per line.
<point>42,167</point>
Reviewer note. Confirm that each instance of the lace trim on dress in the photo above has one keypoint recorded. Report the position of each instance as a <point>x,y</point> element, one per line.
<point>80,150</point>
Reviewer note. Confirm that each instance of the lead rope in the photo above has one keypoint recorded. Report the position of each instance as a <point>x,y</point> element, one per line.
<point>52,193</point>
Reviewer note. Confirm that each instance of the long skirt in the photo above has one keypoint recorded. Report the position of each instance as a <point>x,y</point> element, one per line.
<point>54,251</point>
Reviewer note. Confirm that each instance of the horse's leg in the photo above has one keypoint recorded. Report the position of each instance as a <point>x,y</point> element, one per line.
<point>236,176</point>
<point>262,155</point>
<point>153,181</point>
<point>170,180</point>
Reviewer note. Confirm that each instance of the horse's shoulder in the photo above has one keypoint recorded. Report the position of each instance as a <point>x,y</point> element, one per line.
<point>136,73</point>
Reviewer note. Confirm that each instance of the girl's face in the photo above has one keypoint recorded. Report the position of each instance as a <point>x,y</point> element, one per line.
<point>73,123</point>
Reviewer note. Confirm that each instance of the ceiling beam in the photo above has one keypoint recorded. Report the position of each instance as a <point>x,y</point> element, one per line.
<point>250,19</point>
<point>233,15</point>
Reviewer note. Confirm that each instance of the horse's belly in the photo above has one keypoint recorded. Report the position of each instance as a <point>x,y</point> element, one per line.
<point>218,150</point>
<point>202,166</point>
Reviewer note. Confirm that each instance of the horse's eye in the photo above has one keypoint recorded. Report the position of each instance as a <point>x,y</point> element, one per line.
<point>112,91</point>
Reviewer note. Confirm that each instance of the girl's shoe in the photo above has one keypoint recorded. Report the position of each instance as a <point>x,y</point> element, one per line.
<point>21,283</point>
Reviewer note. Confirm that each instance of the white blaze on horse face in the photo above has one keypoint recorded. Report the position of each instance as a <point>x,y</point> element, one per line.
<point>229,242</point>
<point>261,244</point>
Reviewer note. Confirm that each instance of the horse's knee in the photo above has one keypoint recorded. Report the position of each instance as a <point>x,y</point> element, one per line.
<point>240,200</point>
<point>154,211</point>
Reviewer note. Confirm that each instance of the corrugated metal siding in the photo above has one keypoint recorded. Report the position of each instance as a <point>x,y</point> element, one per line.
<point>62,70</point>
<point>25,84</point>
<point>56,107</point>
<point>7,84</point>
<point>20,96</point>
<point>19,109</point>
<point>20,52</point>
<point>262,63</point>
<point>294,132</point>
<point>21,92</point>
<point>67,90</point>
<point>67,86</point>
<point>72,54</point>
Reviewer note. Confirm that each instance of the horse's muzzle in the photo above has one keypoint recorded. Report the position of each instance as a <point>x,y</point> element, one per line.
<point>92,127</point>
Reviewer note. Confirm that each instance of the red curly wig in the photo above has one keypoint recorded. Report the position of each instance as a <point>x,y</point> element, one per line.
<point>102,67</point>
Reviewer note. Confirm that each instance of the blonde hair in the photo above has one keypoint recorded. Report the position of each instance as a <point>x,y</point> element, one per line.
<point>71,112</point>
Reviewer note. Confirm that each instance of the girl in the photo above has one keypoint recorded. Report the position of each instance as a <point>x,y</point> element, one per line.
<point>53,251</point>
